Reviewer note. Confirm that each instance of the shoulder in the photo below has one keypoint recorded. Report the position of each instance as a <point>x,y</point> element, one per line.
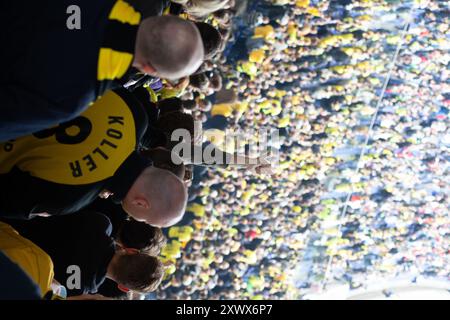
<point>136,107</point>
<point>100,223</point>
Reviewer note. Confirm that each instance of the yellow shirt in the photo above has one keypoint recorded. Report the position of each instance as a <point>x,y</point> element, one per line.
<point>292,32</point>
<point>32,259</point>
<point>87,149</point>
<point>172,250</point>
<point>183,234</point>
<point>302,3</point>
<point>257,56</point>
<point>248,68</point>
<point>265,32</point>
<point>222,109</point>
<point>197,209</point>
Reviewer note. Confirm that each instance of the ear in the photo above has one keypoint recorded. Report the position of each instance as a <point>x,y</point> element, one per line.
<point>123,288</point>
<point>148,69</point>
<point>144,67</point>
<point>141,203</point>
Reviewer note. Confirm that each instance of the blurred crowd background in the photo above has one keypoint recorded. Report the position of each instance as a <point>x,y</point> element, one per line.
<point>350,201</point>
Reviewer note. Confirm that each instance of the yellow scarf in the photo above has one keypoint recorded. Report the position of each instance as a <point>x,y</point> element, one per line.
<point>114,64</point>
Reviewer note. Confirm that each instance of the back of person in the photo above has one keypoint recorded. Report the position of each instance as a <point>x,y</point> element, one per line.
<point>16,284</point>
<point>62,56</point>
<point>88,149</point>
<point>80,246</point>
<point>31,259</point>
<point>44,68</point>
<point>65,167</point>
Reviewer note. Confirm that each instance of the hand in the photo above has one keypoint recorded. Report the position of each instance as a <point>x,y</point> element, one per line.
<point>183,83</point>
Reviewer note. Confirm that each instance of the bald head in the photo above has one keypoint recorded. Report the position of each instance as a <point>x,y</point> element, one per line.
<point>168,47</point>
<point>157,197</point>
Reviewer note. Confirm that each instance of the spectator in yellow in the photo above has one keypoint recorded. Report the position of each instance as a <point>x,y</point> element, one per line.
<point>32,259</point>
<point>257,56</point>
<point>183,234</point>
<point>266,32</point>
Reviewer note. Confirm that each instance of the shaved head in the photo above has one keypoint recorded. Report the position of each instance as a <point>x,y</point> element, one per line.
<point>168,47</point>
<point>157,197</point>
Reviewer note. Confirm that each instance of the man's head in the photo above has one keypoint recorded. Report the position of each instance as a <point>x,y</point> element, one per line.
<point>168,47</point>
<point>211,38</point>
<point>157,197</point>
<point>141,236</point>
<point>136,271</point>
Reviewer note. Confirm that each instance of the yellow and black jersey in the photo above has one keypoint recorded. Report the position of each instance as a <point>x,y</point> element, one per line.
<point>150,8</point>
<point>75,51</point>
<point>63,168</point>
<point>175,9</point>
<point>87,149</point>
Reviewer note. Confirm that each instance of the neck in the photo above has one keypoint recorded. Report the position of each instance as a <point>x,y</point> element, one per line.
<point>110,270</point>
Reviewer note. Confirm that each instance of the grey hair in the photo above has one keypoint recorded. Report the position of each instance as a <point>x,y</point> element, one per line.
<point>201,8</point>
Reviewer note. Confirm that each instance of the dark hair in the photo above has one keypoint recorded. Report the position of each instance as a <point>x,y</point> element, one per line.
<point>170,105</point>
<point>199,81</point>
<point>159,135</point>
<point>211,37</point>
<point>162,159</point>
<point>189,104</point>
<point>138,272</point>
<point>141,236</point>
<point>172,121</point>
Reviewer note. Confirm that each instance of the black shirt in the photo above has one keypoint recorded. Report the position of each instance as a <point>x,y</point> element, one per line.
<point>54,75</point>
<point>81,240</point>
<point>23,194</point>
<point>113,211</point>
